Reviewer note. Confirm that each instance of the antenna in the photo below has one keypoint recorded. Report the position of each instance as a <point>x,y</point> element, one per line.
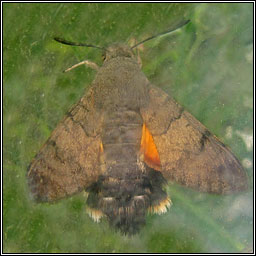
<point>179,25</point>
<point>63,41</point>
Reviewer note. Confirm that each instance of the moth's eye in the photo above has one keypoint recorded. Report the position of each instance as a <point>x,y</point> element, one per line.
<point>103,56</point>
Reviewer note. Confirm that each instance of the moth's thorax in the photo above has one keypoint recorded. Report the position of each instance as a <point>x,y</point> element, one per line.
<point>120,83</point>
<point>118,50</point>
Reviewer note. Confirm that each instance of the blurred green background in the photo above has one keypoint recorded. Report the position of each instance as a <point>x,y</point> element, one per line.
<point>206,66</point>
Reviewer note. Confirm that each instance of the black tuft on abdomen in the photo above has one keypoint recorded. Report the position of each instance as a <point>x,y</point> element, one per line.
<point>125,202</point>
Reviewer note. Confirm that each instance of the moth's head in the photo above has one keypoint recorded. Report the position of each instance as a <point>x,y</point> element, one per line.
<point>117,50</point>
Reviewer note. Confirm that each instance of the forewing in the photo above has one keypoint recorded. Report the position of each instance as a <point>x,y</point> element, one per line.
<point>69,161</point>
<point>189,153</point>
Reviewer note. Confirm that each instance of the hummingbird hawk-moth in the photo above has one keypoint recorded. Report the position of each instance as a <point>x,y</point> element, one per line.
<point>122,141</point>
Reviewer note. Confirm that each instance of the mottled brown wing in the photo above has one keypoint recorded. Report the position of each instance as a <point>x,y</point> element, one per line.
<point>69,160</point>
<point>189,153</point>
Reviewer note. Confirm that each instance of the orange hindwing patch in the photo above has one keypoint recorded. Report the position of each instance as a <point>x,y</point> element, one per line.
<point>149,150</point>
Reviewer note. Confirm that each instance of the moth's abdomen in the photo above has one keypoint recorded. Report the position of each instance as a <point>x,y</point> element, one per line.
<point>121,136</point>
<point>128,188</point>
<point>125,201</point>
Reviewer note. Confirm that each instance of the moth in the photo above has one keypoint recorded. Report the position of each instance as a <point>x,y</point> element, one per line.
<point>123,141</point>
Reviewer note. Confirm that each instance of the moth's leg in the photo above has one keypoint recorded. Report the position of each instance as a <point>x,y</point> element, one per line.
<point>133,41</point>
<point>138,55</point>
<point>139,58</point>
<point>88,63</point>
